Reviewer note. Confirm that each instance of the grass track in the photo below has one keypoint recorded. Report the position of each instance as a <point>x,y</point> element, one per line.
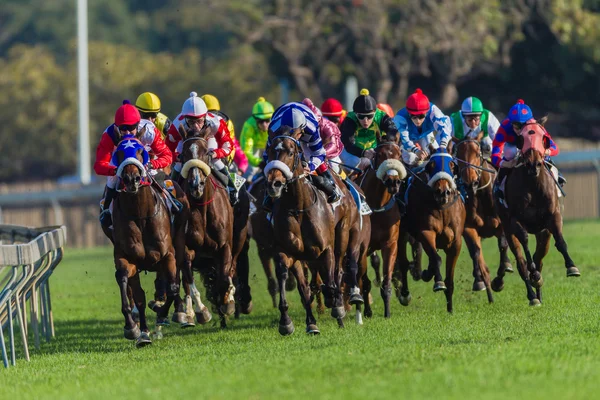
<point>503,350</point>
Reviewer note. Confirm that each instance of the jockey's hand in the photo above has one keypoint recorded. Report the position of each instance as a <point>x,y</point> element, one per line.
<point>369,153</point>
<point>306,169</point>
<point>547,152</point>
<point>364,163</point>
<point>211,154</point>
<point>421,154</point>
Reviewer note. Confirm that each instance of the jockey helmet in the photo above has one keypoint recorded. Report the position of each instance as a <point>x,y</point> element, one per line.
<point>386,108</point>
<point>262,109</point>
<point>332,108</point>
<point>127,114</point>
<point>471,105</point>
<point>148,102</point>
<point>291,117</point>
<point>162,122</point>
<point>520,112</point>
<point>212,103</point>
<point>194,107</point>
<point>417,103</point>
<point>364,104</point>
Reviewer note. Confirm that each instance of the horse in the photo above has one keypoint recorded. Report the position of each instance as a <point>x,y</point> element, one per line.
<point>305,229</point>
<point>476,177</point>
<point>215,235</point>
<point>533,207</point>
<point>144,238</point>
<point>380,183</point>
<point>435,216</point>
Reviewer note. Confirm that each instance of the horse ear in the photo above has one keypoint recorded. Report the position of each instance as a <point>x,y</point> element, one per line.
<point>182,131</point>
<point>542,121</point>
<point>120,156</point>
<point>139,154</point>
<point>143,131</point>
<point>480,136</point>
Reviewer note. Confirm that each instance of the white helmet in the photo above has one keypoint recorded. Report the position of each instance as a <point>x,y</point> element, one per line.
<point>194,107</point>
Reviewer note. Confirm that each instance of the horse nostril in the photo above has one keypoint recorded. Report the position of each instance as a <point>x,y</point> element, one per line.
<point>277,184</point>
<point>447,192</point>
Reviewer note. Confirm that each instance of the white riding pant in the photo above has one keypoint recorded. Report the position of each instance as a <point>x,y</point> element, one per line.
<point>426,143</point>
<point>349,159</point>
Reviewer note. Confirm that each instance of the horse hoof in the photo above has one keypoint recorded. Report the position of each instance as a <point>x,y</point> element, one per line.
<point>368,313</point>
<point>246,308</point>
<point>162,321</point>
<point>204,316</point>
<point>143,340</point>
<point>228,309</point>
<point>179,318</point>
<point>312,329</point>
<point>158,335</point>
<point>338,312</point>
<point>356,299</point>
<point>478,286</point>
<point>535,303</point>
<point>538,283</point>
<point>439,286</point>
<point>573,271</point>
<point>155,305</point>
<point>497,284</point>
<point>286,330</point>
<point>188,323</point>
<point>340,322</point>
<point>426,275</point>
<point>509,269</point>
<point>405,300</point>
<point>132,334</point>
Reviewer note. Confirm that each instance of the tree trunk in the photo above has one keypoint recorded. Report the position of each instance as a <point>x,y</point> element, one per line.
<point>449,95</point>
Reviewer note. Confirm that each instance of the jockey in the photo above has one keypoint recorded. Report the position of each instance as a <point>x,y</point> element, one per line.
<point>195,115</point>
<point>255,134</point>
<point>148,104</point>
<point>471,120</point>
<point>237,156</point>
<point>386,108</point>
<point>422,125</point>
<point>304,127</point>
<point>127,121</point>
<point>330,136</point>
<point>333,111</point>
<point>504,151</point>
<point>362,129</point>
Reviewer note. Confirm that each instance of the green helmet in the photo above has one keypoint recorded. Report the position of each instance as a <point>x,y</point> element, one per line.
<point>262,109</point>
<point>471,105</point>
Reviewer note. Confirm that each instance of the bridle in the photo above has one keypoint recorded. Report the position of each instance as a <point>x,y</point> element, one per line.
<point>478,168</point>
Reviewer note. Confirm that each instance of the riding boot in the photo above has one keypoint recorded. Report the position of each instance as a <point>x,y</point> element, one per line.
<point>498,192</point>
<point>326,184</point>
<point>233,197</point>
<point>105,215</point>
<point>400,201</point>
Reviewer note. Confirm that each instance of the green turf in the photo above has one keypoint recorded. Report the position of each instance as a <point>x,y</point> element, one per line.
<point>503,350</point>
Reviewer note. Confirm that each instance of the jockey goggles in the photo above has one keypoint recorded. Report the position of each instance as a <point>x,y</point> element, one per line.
<point>365,116</point>
<point>259,120</point>
<point>420,116</point>
<point>128,128</point>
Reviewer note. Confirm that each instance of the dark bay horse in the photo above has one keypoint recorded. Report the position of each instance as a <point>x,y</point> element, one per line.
<point>305,229</point>
<point>144,239</point>
<point>380,184</point>
<point>435,216</point>
<point>476,176</point>
<point>533,207</point>
<point>214,238</point>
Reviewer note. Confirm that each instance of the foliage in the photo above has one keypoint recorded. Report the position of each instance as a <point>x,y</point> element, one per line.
<point>485,351</point>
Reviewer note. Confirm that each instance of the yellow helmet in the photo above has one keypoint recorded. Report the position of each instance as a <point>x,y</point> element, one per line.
<point>148,102</point>
<point>212,103</point>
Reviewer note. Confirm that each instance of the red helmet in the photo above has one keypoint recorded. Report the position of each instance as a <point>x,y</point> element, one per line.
<point>127,114</point>
<point>417,103</point>
<point>332,108</point>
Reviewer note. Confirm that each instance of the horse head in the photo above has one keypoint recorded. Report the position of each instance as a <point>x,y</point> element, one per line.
<point>131,159</point>
<point>533,144</point>
<point>283,165</point>
<point>196,162</point>
<point>468,152</point>
<point>386,162</point>
<point>440,168</point>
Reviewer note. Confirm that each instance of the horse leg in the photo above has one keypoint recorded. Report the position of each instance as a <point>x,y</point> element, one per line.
<point>286,326</point>
<point>304,291</point>
<point>451,258</point>
<point>473,241</point>
<point>134,310</point>
<point>243,271</point>
<point>265,260</point>
<point>315,288</point>
<point>403,264</point>
<point>521,233</point>
<point>389,252</point>
<point>542,245</point>
<point>475,254</point>
<point>332,292</point>
<point>427,239</point>
<point>560,243</point>
<point>140,299</point>
<point>515,247</point>
<point>188,281</point>
<point>376,265</point>
<point>170,273</point>
<point>505,266</point>
<point>225,284</point>
<point>366,292</point>
<point>124,271</point>
<point>417,254</point>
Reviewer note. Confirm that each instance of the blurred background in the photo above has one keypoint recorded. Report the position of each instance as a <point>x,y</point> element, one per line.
<point>543,51</point>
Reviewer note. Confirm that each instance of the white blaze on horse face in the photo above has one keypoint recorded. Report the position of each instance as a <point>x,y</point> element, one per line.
<point>392,172</point>
<point>194,150</point>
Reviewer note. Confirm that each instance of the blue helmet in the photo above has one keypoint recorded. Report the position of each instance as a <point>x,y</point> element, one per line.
<point>291,117</point>
<point>520,112</point>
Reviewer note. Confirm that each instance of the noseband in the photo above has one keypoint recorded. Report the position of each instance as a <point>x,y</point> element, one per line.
<point>296,158</point>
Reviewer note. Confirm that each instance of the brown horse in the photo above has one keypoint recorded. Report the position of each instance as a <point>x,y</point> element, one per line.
<point>436,217</point>
<point>476,176</point>
<point>305,229</point>
<point>144,240</point>
<point>533,207</point>
<point>380,184</point>
<point>211,248</point>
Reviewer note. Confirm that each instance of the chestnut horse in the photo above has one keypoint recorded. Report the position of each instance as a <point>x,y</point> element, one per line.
<point>143,238</point>
<point>435,216</point>
<point>476,177</point>
<point>380,184</point>
<point>533,207</point>
<point>215,235</point>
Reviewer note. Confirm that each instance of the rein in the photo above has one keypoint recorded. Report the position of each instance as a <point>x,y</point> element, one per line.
<point>215,186</point>
<point>476,167</point>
